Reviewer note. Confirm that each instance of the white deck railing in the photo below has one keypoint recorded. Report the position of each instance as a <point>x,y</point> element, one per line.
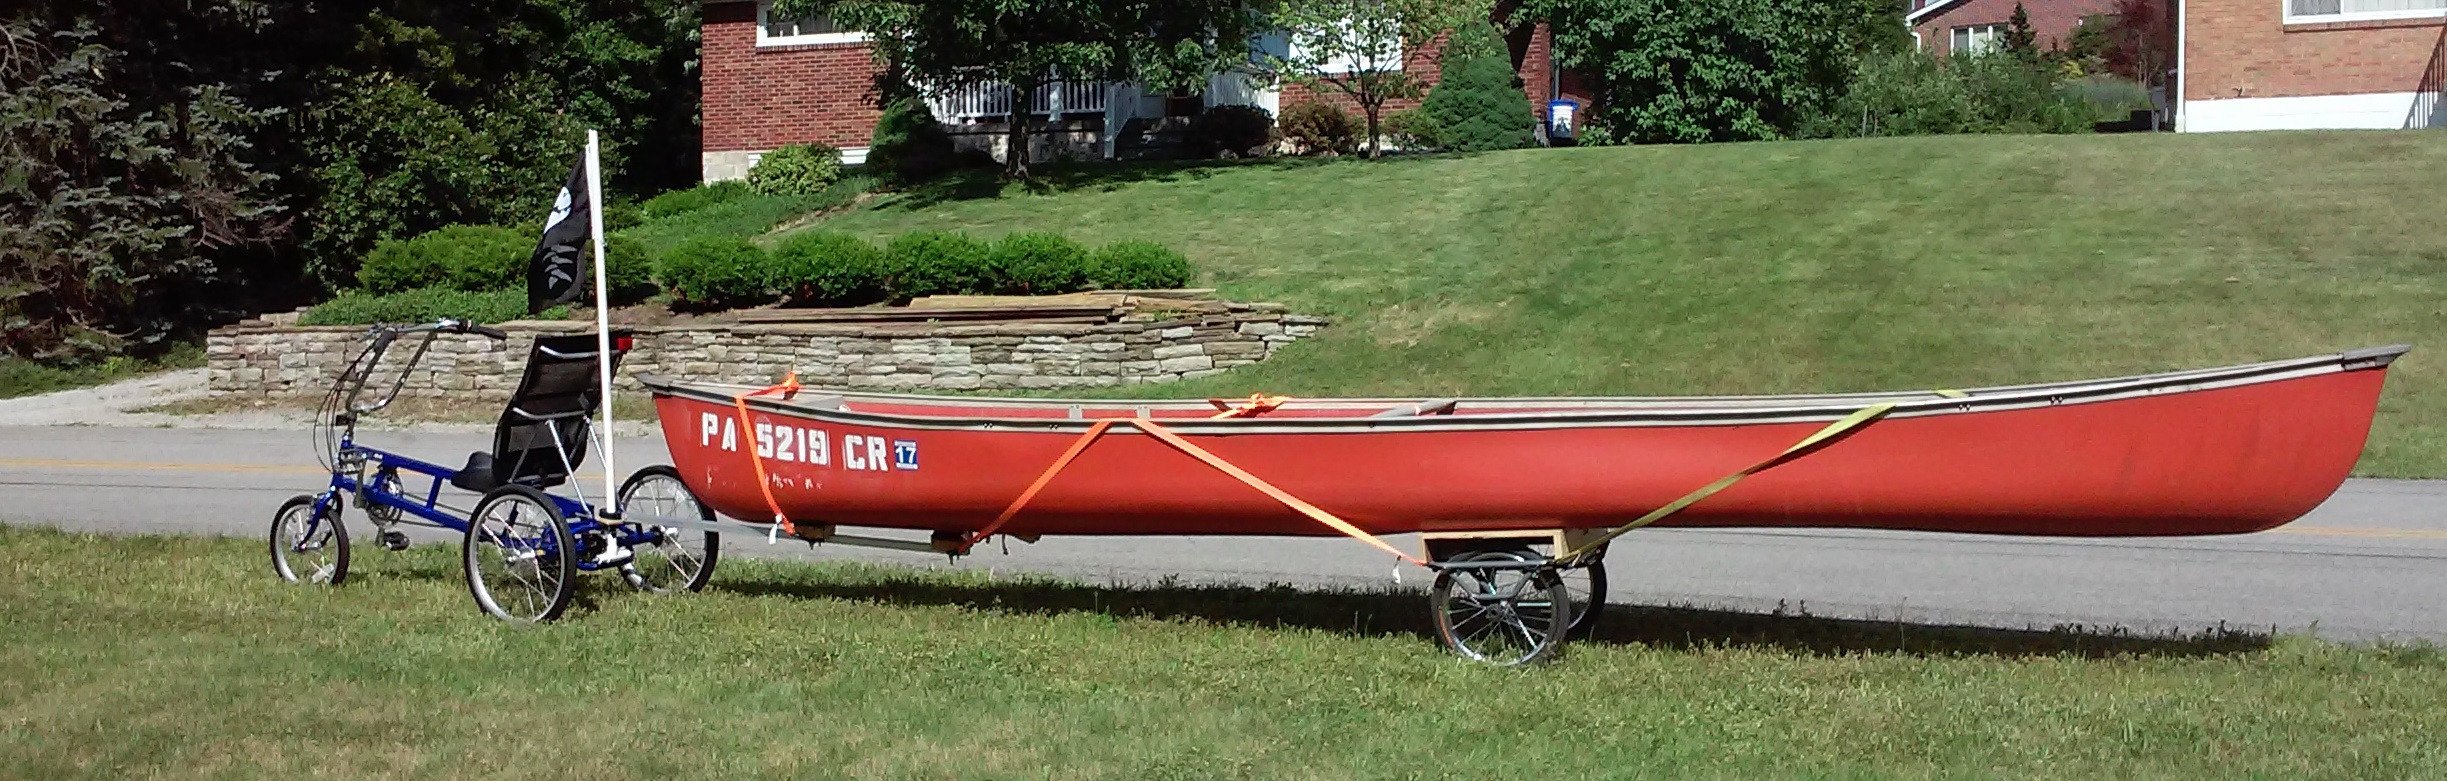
<point>993,100</point>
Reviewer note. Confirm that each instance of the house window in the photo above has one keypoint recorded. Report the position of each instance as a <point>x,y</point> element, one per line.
<point>2354,10</point>
<point>1973,39</point>
<point>774,30</point>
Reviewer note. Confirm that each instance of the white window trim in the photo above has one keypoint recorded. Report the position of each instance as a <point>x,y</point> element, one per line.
<point>2286,7</point>
<point>764,7</point>
<point>1996,38</point>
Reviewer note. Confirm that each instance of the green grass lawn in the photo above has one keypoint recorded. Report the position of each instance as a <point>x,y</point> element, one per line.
<point>184,658</point>
<point>1870,264</point>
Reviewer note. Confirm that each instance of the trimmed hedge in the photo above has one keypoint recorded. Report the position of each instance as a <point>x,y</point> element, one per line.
<point>487,258</point>
<point>716,272</point>
<point>830,268</point>
<point>1138,265</point>
<point>627,267</point>
<point>458,257</point>
<point>929,263</point>
<point>797,169</point>
<point>1037,264</point>
<point>678,202</point>
<point>421,305</point>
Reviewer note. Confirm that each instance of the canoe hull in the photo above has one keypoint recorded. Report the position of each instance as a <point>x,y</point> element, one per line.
<point>2203,460</point>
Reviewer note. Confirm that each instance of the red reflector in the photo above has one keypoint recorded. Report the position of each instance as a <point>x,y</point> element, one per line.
<point>622,343</point>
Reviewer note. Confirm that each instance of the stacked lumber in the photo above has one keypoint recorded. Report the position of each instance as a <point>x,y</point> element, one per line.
<point>1102,306</point>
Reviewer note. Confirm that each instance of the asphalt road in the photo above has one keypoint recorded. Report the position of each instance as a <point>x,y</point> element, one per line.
<point>2370,564</point>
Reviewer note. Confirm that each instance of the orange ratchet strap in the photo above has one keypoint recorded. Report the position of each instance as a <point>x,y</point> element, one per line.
<point>788,387</point>
<point>1259,404</point>
<point>1167,437</point>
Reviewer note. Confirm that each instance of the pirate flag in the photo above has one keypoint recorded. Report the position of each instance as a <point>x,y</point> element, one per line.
<point>553,274</point>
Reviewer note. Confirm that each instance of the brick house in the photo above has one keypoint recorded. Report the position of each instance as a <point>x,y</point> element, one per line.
<point>1942,27</point>
<point>768,82</point>
<point>1975,25</point>
<point>2295,64</point>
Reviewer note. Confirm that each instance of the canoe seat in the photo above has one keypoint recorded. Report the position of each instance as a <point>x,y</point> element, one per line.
<point>1429,407</point>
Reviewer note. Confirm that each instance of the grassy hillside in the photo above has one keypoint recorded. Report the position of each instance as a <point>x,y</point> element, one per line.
<point>1805,266</point>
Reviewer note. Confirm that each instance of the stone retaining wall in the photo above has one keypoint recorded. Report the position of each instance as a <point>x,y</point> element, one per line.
<point>268,360</point>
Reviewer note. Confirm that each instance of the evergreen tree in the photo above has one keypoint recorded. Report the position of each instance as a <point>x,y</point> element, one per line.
<point>2020,40</point>
<point>1475,104</point>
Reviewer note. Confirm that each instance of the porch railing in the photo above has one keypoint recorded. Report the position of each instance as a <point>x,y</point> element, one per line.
<point>993,100</point>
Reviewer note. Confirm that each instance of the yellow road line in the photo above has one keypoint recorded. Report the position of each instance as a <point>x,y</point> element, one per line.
<point>68,464</point>
<point>151,466</point>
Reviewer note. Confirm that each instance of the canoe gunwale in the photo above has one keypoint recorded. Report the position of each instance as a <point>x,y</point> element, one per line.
<point>1578,412</point>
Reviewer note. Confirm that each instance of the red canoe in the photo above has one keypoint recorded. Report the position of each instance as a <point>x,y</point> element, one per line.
<point>2213,451</point>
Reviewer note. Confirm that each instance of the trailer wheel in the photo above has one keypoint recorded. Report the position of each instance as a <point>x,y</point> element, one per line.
<point>1587,588</point>
<point>1509,614</point>
<point>679,559</point>
<point>521,562</point>
<point>307,549</point>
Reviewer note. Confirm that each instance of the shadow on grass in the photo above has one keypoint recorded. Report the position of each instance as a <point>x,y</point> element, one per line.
<point>1387,613</point>
<point>1062,177</point>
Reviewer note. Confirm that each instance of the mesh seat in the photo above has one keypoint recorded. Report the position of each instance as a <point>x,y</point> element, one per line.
<point>542,434</point>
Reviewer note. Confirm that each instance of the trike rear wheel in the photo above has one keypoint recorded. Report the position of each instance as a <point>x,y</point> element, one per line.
<point>520,560</point>
<point>306,548</point>
<point>680,559</point>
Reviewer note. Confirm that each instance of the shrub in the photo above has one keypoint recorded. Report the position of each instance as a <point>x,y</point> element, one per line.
<point>926,263</point>
<point>459,257</point>
<point>2110,98</point>
<point>2011,94</point>
<point>1320,127</point>
<point>1138,265</point>
<point>1410,129</point>
<point>629,270</point>
<point>829,268</point>
<point>797,169</point>
<point>678,202</point>
<point>1474,106</point>
<point>1041,264</point>
<point>425,304</point>
<point>1910,93</point>
<point>715,272</point>
<point>910,146</point>
<point>1231,130</point>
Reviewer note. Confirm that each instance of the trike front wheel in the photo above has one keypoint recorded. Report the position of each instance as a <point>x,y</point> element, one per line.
<point>307,546</point>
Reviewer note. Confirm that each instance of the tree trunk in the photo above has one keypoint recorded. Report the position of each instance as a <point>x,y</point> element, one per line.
<point>1376,147</point>
<point>1015,142</point>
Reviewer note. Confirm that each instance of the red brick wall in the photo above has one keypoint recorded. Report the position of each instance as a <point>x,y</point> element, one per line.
<point>2051,20</point>
<point>758,99</point>
<point>2244,49</point>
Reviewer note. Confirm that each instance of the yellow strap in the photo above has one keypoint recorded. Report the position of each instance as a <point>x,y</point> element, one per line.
<point>1831,431</point>
<point>1951,393</point>
<point>1175,441</point>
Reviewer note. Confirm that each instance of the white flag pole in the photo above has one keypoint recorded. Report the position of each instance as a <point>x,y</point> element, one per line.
<point>603,314</point>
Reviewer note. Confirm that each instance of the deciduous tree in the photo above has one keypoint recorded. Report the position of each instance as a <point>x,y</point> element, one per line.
<point>1025,44</point>
<point>1356,48</point>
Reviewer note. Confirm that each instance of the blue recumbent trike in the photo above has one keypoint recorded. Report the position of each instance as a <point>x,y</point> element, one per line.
<point>521,547</point>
